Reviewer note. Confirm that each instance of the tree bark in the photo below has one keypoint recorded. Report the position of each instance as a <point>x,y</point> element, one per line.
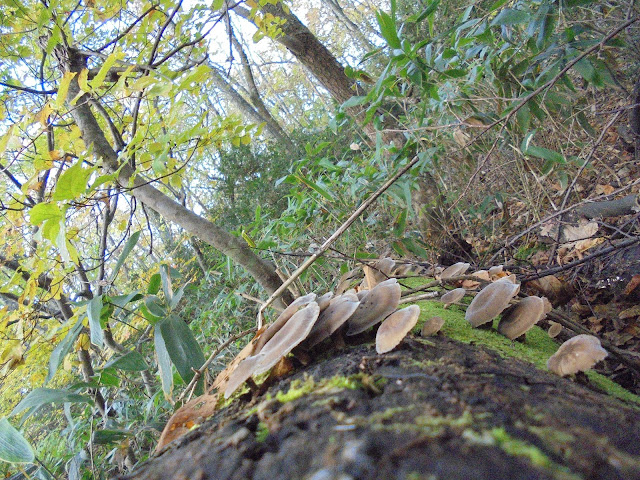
<point>93,136</point>
<point>429,409</point>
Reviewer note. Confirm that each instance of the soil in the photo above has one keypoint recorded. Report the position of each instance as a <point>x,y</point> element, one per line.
<point>431,409</point>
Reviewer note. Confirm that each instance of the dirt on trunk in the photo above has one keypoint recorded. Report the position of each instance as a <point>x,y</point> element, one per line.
<point>431,409</point>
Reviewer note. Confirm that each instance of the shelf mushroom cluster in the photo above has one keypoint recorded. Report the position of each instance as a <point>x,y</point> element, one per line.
<point>309,320</point>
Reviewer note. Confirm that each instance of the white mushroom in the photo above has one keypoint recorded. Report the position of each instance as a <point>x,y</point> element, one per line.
<point>453,296</point>
<point>395,328</point>
<point>518,320</point>
<point>490,302</point>
<point>577,354</point>
<point>335,315</point>
<point>432,326</point>
<point>454,270</point>
<point>375,306</point>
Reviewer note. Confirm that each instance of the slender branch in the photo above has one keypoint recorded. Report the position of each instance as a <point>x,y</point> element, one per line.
<point>29,90</point>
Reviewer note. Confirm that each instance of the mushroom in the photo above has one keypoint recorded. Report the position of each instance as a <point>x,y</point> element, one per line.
<point>578,354</point>
<point>242,372</point>
<point>453,296</point>
<point>494,272</point>
<point>324,300</point>
<point>518,320</point>
<point>432,326</point>
<point>554,329</point>
<point>403,269</point>
<point>378,271</point>
<point>396,327</point>
<point>338,312</point>
<point>454,270</point>
<point>375,306</point>
<point>288,337</point>
<point>507,278</point>
<point>490,302</point>
<point>284,317</point>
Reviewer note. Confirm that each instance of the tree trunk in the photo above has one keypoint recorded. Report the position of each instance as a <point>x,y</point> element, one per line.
<point>429,409</point>
<point>261,270</point>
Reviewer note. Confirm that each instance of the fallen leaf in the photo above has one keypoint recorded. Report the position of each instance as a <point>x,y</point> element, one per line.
<point>186,417</point>
<point>631,286</point>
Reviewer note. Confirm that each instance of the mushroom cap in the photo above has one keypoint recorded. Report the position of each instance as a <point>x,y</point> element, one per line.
<point>490,302</point>
<point>283,318</point>
<point>242,372</point>
<point>432,326</point>
<point>375,306</point>
<point>554,329</point>
<point>453,296</point>
<point>324,300</point>
<point>496,270</point>
<point>454,270</point>
<point>522,317</point>
<point>378,271</point>
<point>396,327</point>
<point>338,312</point>
<point>288,337</point>
<point>508,278</point>
<point>577,354</point>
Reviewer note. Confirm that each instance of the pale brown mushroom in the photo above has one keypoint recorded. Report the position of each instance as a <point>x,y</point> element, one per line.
<point>507,278</point>
<point>324,300</point>
<point>453,296</point>
<point>454,270</point>
<point>519,319</point>
<point>243,371</point>
<point>554,329</point>
<point>283,318</point>
<point>490,302</point>
<point>288,337</point>
<point>395,328</point>
<point>578,354</point>
<point>335,315</point>
<point>378,271</point>
<point>494,272</point>
<point>375,306</point>
<point>432,326</point>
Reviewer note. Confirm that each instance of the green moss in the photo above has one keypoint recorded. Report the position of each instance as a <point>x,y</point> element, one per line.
<point>261,432</point>
<point>537,457</point>
<point>537,348</point>
<point>299,388</point>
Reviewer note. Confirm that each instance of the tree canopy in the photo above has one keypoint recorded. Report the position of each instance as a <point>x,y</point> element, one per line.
<point>166,165</point>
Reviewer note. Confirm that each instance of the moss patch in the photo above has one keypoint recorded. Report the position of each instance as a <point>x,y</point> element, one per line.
<point>300,388</point>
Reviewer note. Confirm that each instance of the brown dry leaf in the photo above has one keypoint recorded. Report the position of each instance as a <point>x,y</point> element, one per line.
<point>186,417</point>
<point>572,233</point>
<point>630,312</point>
<point>470,284</point>
<point>551,287</point>
<point>604,189</point>
<point>460,137</point>
<point>247,351</point>
<point>631,286</point>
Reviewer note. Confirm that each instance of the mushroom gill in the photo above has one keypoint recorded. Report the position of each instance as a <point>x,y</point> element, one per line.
<point>243,371</point>
<point>577,354</point>
<point>375,306</point>
<point>284,317</point>
<point>288,337</point>
<point>519,319</point>
<point>333,317</point>
<point>490,302</point>
<point>396,327</point>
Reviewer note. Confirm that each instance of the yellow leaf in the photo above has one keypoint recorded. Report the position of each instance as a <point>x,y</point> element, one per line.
<point>55,154</point>
<point>43,115</point>
<point>63,88</point>
<point>83,80</point>
<point>83,342</point>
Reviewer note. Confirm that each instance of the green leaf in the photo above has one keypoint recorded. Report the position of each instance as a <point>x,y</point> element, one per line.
<point>182,346</point>
<point>354,101</point>
<point>106,66</point>
<point>14,448</point>
<point>585,69</point>
<point>133,239</point>
<point>314,186</point>
<point>430,8</point>
<point>43,396</point>
<point>545,154</point>
<point>106,437</point>
<point>72,183</point>
<point>93,313</point>
<point>164,362</point>
<point>177,296</point>
<point>62,349</point>
<point>510,16</point>
<point>131,361</point>
<point>154,305</point>
<point>44,211</point>
<point>388,29</point>
<point>122,300</point>
<point>167,289</point>
<point>154,284</point>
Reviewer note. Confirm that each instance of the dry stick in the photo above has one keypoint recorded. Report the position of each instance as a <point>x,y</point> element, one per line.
<point>198,373</point>
<point>575,263</point>
<point>547,85</point>
<point>575,180</point>
<point>325,246</point>
<point>529,229</point>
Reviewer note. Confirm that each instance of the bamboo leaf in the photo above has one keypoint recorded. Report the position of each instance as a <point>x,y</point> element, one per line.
<point>14,448</point>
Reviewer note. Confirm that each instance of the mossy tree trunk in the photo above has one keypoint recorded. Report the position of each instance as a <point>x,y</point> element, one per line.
<point>433,408</point>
